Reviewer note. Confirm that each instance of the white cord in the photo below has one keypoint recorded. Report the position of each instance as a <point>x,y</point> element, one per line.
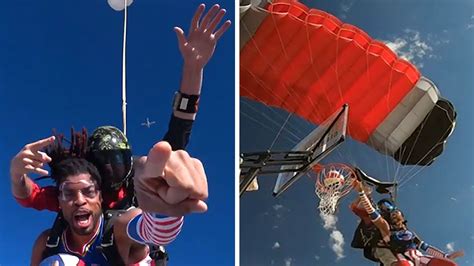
<point>124,88</point>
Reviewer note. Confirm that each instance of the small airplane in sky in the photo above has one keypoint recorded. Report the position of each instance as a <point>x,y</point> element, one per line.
<point>148,123</point>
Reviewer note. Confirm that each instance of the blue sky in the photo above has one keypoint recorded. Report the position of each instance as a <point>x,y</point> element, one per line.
<point>438,37</point>
<point>60,66</point>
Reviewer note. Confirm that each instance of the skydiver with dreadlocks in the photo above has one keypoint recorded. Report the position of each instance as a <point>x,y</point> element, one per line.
<point>197,49</point>
<point>169,176</point>
<point>108,148</point>
<point>394,244</point>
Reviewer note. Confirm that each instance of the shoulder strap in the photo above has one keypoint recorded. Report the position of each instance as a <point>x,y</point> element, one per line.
<point>54,238</point>
<point>159,255</point>
<point>107,245</point>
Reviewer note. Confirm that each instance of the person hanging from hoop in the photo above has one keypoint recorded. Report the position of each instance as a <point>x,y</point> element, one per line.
<point>400,246</point>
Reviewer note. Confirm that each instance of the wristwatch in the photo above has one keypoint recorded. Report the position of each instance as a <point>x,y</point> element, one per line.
<point>185,103</point>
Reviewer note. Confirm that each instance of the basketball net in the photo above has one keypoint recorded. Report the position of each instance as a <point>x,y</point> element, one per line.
<point>333,181</point>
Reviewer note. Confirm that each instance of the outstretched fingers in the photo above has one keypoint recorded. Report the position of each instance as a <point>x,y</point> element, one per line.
<point>40,144</point>
<point>222,29</point>
<point>197,17</point>
<point>180,36</point>
<point>216,20</point>
<point>31,159</point>
<point>208,17</point>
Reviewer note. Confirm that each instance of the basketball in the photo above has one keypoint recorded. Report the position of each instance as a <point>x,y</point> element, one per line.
<point>62,259</point>
<point>333,179</point>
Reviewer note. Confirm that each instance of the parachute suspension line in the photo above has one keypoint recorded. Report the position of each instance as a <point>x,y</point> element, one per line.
<point>285,53</point>
<point>410,174</point>
<point>264,86</point>
<point>398,166</point>
<point>313,69</point>
<point>272,68</point>
<point>279,132</point>
<point>421,159</point>
<point>272,121</point>
<point>124,71</point>
<point>336,68</point>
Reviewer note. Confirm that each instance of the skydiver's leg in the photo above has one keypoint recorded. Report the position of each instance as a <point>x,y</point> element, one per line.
<point>387,257</point>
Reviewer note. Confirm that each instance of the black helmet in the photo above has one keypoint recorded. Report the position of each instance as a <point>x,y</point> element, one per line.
<point>111,154</point>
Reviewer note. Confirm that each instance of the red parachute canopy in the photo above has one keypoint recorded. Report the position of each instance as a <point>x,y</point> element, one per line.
<point>308,62</point>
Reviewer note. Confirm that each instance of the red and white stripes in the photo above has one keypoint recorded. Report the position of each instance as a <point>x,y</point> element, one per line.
<point>435,252</point>
<point>366,203</point>
<point>158,230</point>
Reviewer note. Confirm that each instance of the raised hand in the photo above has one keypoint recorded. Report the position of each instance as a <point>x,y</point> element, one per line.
<point>198,47</point>
<point>31,159</point>
<point>170,182</point>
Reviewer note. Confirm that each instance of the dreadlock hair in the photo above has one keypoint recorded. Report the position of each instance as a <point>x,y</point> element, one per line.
<point>77,147</point>
<point>74,166</point>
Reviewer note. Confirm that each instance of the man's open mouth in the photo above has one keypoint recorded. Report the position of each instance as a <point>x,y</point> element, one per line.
<point>82,218</point>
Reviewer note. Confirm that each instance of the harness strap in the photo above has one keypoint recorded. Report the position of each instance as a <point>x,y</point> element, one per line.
<point>107,245</point>
<point>54,237</point>
<point>159,255</point>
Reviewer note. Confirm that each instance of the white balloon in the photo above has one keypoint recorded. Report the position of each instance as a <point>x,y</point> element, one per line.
<point>118,5</point>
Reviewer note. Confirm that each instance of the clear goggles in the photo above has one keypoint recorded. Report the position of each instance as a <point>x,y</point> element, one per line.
<point>69,191</point>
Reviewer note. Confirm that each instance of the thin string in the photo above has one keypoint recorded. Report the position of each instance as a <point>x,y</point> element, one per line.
<point>124,71</point>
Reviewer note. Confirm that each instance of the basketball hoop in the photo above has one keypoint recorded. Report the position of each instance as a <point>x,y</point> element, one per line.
<point>333,181</point>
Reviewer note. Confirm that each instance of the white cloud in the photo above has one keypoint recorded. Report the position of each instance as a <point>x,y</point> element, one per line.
<point>450,246</point>
<point>288,261</point>
<point>414,47</point>
<point>470,25</point>
<point>316,257</point>
<point>329,221</point>
<point>345,6</point>
<point>336,238</point>
<point>453,199</point>
<point>337,244</point>
<point>277,207</point>
<point>276,245</point>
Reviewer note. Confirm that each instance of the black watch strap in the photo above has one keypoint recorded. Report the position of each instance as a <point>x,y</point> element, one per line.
<point>185,103</point>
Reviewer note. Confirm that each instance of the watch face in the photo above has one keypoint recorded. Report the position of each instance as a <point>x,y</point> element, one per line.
<point>183,105</point>
<point>186,103</point>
